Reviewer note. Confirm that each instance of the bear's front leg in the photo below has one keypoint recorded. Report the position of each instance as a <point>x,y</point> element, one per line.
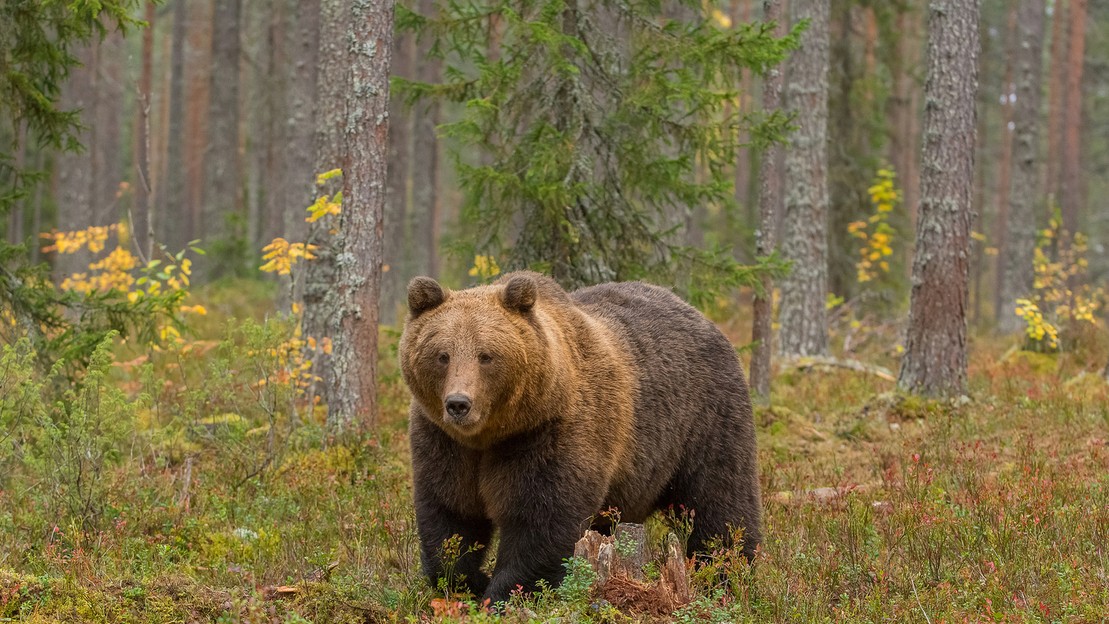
<point>533,549</point>
<point>541,501</point>
<point>447,504</point>
<point>437,524</point>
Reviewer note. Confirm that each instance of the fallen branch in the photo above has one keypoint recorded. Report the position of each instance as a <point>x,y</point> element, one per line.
<point>814,362</point>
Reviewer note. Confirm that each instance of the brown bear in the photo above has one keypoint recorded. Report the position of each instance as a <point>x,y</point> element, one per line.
<point>534,409</point>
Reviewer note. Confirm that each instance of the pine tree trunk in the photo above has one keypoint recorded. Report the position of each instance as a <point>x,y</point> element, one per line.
<point>397,210</point>
<point>804,326</point>
<point>1016,255</point>
<point>425,151</point>
<point>222,167</point>
<point>1056,97</point>
<point>198,81</point>
<point>268,25</point>
<point>74,195</point>
<point>106,122</point>
<point>175,229</point>
<point>15,217</point>
<point>299,176</point>
<point>1070,177</point>
<point>319,275</point>
<point>353,396</point>
<point>904,147</point>
<point>744,193</point>
<point>1005,162</point>
<point>935,361</point>
<point>769,207</point>
<point>142,217</point>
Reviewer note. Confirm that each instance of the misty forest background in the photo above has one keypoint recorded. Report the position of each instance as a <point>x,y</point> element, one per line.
<point>219,101</point>
<point>893,208</point>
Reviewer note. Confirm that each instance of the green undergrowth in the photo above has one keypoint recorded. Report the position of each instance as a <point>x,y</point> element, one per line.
<point>173,486</point>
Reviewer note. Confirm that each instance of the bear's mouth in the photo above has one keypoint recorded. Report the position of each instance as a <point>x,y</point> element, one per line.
<point>466,422</point>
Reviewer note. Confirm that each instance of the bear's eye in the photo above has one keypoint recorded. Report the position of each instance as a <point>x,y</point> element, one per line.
<point>444,359</point>
<point>485,358</point>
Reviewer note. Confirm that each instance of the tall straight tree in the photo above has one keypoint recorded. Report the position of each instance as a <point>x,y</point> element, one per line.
<point>425,151</point>
<point>935,361</point>
<point>298,190</point>
<point>222,167</point>
<point>769,207</point>
<point>804,325</point>
<point>319,276</point>
<point>1016,255</point>
<point>397,208</point>
<point>1070,174</point>
<point>175,228</point>
<point>143,216</point>
<point>73,169</point>
<point>1004,164</point>
<point>367,33</point>
<point>1057,85</point>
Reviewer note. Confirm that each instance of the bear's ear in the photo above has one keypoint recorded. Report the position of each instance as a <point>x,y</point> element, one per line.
<point>519,293</point>
<point>424,294</point>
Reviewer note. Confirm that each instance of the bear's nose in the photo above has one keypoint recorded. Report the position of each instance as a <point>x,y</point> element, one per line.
<point>458,405</point>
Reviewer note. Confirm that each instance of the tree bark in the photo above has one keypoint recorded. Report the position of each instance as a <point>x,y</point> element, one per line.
<point>1016,255</point>
<point>935,360</point>
<point>803,319</point>
<point>744,193</point>
<point>106,122</point>
<point>903,107</point>
<point>198,80</point>
<point>142,217</point>
<point>397,210</point>
<point>425,151</point>
<point>16,234</point>
<point>74,169</point>
<point>266,25</point>
<point>299,188</point>
<point>319,275</point>
<point>176,228</point>
<point>1005,161</point>
<point>222,167</point>
<point>353,396</point>
<point>765,239</point>
<point>1070,178</point>
<point>1056,97</point>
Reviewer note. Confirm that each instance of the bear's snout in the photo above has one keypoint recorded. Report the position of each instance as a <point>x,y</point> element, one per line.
<point>458,405</point>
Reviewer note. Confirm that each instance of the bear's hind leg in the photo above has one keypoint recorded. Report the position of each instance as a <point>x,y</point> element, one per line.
<point>722,501</point>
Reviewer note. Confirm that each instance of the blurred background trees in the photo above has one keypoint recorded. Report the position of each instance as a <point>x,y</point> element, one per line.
<point>587,141</point>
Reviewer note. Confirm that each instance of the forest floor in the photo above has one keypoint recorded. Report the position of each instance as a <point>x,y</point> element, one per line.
<point>878,507</point>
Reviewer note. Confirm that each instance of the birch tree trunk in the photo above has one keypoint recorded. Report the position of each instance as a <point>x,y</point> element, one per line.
<point>804,325</point>
<point>935,361</point>
<point>358,246</point>
<point>1025,193</point>
<point>769,207</point>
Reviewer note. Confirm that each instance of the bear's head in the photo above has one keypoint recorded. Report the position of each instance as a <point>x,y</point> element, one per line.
<point>478,361</point>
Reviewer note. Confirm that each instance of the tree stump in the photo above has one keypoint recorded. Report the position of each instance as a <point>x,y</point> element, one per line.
<point>619,562</point>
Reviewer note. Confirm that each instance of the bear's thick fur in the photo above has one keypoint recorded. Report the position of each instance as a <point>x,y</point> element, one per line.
<point>534,409</point>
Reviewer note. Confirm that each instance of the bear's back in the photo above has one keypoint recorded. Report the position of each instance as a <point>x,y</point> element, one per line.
<point>692,393</point>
